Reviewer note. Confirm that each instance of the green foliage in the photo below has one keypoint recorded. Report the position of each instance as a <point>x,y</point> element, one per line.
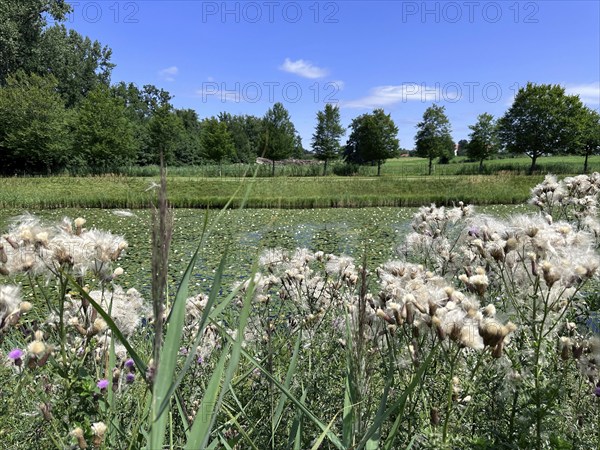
<point>188,150</point>
<point>433,139</point>
<point>278,135</point>
<point>78,63</point>
<point>485,141</point>
<point>217,143</point>
<point>246,132</point>
<point>373,139</point>
<point>328,132</point>
<point>588,138</point>
<point>34,135</point>
<point>21,30</point>
<point>164,134</point>
<point>541,121</point>
<point>462,149</point>
<point>103,135</point>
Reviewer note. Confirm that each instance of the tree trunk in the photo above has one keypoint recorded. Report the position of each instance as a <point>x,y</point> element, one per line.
<point>430,165</point>
<point>378,167</point>
<point>273,171</point>
<point>585,164</point>
<point>480,165</point>
<point>533,160</point>
<point>325,168</point>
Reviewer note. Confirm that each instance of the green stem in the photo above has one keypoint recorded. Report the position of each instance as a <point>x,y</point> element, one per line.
<point>449,398</point>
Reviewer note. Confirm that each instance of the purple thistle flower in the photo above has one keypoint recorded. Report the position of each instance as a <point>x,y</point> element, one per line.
<point>15,354</point>
<point>102,384</point>
<point>200,360</point>
<point>129,378</point>
<point>129,363</point>
<point>597,391</point>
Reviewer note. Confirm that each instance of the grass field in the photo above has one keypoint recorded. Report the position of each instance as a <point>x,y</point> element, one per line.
<point>279,192</point>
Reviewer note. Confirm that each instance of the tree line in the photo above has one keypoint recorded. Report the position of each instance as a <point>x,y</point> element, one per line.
<point>59,112</point>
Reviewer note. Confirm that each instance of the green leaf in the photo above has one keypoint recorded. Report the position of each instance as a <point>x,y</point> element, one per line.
<point>288,379</point>
<point>169,351</point>
<point>203,420</point>
<point>140,364</point>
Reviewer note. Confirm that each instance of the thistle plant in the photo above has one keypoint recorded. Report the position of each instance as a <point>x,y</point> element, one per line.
<point>476,336</point>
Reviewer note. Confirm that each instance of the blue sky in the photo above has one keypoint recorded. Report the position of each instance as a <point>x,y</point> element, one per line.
<point>401,56</point>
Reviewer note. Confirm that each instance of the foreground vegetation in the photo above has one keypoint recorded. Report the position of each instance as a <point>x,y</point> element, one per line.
<point>479,333</point>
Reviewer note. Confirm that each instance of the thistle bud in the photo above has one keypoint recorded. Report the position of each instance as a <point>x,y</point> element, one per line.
<point>77,433</point>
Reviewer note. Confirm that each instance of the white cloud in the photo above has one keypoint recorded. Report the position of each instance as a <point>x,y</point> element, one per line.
<point>381,96</point>
<point>169,73</point>
<point>303,68</point>
<point>588,93</point>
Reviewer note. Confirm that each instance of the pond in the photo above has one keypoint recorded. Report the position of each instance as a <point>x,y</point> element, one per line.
<point>243,234</point>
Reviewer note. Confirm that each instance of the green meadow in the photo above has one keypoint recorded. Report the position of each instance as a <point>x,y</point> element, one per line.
<point>278,192</point>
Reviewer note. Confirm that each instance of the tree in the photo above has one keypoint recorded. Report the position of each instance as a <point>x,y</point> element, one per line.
<point>103,134</point>
<point>164,133</point>
<point>484,139</point>
<point>541,121</point>
<point>34,136</point>
<point>433,139</point>
<point>217,143</point>
<point>21,30</point>
<point>77,62</point>
<point>373,139</point>
<point>588,140</point>
<point>189,147</point>
<point>463,145</point>
<point>278,135</point>
<point>327,135</point>
<point>245,131</point>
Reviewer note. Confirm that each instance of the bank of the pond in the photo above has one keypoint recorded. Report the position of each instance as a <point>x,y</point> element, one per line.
<point>279,192</point>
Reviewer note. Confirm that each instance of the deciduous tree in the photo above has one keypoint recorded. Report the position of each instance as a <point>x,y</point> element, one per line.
<point>103,134</point>
<point>217,143</point>
<point>433,139</point>
<point>541,121</point>
<point>373,139</point>
<point>278,135</point>
<point>34,123</point>
<point>327,135</point>
<point>485,141</point>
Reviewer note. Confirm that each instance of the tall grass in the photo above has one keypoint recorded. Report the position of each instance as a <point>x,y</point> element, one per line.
<point>279,192</point>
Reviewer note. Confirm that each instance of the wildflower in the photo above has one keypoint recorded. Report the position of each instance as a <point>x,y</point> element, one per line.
<point>597,391</point>
<point>129,378</point>
<point>77,433</point>
<point>99,429</point>
<point>98,326</point>
<point>130,364</point>
<point>16,354</point>
<point>10,299</point>
<point>102,384</point>
<point>36,348</point>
